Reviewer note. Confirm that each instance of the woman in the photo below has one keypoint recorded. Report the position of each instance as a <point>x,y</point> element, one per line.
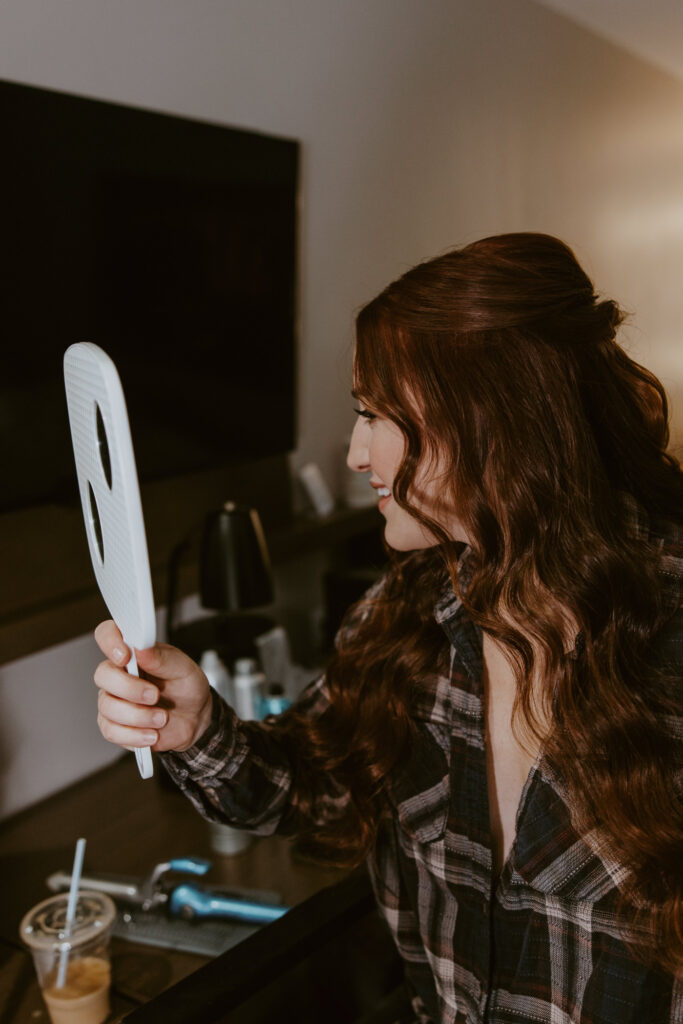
<point>498,731</point>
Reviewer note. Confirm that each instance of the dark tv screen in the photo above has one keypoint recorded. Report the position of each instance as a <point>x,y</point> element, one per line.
<point>171,243</point>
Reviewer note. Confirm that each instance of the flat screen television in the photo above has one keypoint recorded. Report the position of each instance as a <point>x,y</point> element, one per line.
<point>169,242</point>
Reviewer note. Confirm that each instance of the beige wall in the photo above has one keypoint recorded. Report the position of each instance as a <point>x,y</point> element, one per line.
<point>425,123</point>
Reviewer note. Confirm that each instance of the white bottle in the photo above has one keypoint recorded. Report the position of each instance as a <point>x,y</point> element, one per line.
<point>223,839</point>
<point>248,685</point>
<point>217,674</point>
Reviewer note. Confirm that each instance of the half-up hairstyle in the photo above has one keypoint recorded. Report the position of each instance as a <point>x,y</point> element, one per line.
<point>500,358</point>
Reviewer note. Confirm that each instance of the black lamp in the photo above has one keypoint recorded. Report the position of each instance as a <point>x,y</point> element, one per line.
<point>234,567</point>
<point>234,577</point>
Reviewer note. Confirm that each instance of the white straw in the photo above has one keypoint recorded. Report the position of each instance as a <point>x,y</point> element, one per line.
<point>71,910</point>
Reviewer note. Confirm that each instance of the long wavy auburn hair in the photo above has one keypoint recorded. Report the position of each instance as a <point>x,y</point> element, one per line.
<point>500,359</point>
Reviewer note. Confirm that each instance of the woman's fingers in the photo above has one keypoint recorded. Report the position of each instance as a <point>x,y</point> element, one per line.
<point>127,724</point>
<point>126,736</point>
<point>117,682</point>
<point>110,642</point>
<point>166,707</point>
<point>165,662</point>
<point>122,712</point>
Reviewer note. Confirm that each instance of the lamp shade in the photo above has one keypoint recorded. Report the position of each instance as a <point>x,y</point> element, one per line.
<point>234,567</point>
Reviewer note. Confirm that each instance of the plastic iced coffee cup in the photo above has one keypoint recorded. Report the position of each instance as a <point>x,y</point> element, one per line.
<point>84,996</point>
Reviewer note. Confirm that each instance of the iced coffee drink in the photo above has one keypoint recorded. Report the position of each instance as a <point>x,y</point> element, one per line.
<point>78,993</point>
<point>84,996</point>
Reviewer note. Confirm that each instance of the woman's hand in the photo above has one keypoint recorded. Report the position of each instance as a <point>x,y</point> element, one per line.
<point>168,709</point>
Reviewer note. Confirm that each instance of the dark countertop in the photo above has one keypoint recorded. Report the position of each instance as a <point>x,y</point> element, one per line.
<point>130,825</point>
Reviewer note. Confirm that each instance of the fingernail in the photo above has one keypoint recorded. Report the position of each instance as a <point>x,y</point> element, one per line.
<point>159,718</point>
<point>150,738</point>
<point>150,695</point>
<point>117,654</point>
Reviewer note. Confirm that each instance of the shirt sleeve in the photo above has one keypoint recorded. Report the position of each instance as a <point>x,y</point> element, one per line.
<point>245,774</point>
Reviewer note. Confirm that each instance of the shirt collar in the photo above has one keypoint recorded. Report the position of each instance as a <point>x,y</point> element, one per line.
<point>449,605</point>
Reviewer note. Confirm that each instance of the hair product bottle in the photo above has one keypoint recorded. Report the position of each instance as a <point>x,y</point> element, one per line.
<point>249,685</point>
<point>215,671</point>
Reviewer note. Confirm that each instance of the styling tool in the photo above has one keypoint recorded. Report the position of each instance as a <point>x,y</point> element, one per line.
<point>165,910</point>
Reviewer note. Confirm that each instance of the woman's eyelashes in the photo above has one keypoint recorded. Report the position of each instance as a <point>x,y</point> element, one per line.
<point>366,414</point>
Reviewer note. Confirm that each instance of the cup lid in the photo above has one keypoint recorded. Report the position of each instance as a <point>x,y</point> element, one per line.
<point>44,927</point>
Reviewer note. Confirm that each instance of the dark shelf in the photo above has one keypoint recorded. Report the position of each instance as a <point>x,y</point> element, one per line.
<point>48,592</point>
<point>305,533</point>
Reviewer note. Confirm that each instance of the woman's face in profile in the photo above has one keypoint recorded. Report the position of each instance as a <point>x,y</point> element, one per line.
<point>378,446</point>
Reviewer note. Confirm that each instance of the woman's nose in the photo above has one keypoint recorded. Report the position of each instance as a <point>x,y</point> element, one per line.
<point>358,458</point>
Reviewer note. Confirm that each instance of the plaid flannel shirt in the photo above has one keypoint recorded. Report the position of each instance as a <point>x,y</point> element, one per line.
<point>540,943</point>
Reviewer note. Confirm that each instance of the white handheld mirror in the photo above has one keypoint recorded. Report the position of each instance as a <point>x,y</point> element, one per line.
<point>110,497</point>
